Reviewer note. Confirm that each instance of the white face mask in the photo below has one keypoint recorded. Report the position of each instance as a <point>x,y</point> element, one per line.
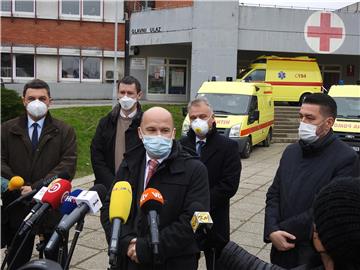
<point>307,132</point>
<point>127,103</point>
<point>37,108</point>
<point>200,126</point>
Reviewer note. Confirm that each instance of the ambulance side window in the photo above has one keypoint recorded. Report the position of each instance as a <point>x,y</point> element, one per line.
<point>256,75</point>
<point>253,110</point>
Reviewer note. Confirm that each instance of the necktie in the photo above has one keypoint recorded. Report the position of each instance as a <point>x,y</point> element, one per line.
<point>199,146</point>
<point>152,165</point>
<point>34,137</point>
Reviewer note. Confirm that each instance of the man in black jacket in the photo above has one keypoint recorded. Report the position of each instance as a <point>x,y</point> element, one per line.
<point>336,234</point>
<point>180,178</point>
<point>304,169</point>
<point>116,132</point>
<point>222,160</point>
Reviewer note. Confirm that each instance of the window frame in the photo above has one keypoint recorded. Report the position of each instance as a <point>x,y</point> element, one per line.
<point>81,14</point>
<point>22,13</point>
<point>11,66</point>
<point>167,66</point>
<point>14,67</point>
<point>81,70</point>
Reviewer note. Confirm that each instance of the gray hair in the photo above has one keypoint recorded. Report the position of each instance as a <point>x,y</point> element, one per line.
<point>198,100</point>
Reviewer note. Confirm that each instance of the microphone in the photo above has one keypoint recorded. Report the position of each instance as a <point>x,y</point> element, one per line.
<point>119,209</point>
<point>38,186</point>
<point>16,182</point>
<point>201,221</point>
<point>66,208</point>
<point>87,201</point>
<point>69,203</point>
<point>52,198</point>
<point>151,203</point>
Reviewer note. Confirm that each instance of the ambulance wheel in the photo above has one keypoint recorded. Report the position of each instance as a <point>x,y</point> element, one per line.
<point>247,149</point>
<point>268,138</point>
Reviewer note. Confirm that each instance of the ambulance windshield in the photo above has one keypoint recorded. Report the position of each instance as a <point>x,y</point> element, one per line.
<point>228,103</point>
<point>348,107</point>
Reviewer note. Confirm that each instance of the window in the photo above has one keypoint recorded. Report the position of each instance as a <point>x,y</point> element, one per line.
<point>70,7</point>
<point>91,68</point>
<point>24,6</point>
<point>24,64</point>
<point>157,76</point>
<point>90,8</point>
<point>256,75</point>
<point>70,67</point>
<point>6,5</point>
<point>6,67</point>
<point>167,76</point>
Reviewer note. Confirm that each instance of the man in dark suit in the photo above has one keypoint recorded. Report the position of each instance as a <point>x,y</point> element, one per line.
<point>160,163</point>
<point>222,159</point>
<point>35,146</point>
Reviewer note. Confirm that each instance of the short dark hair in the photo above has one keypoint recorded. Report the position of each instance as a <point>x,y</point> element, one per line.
<point>130,80</point>
<point>327,104</point>
<point>36,84</point>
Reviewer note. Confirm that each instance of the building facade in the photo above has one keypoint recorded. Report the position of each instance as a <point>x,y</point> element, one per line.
<point>69,44</point>
<point>174,45</point>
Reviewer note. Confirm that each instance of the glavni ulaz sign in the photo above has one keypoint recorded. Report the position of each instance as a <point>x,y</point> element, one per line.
<point>145,30</point>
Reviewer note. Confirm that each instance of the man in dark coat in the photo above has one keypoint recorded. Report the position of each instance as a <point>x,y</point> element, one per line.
<point>336,234</point>
<point>35,146</point>
<point>305,167</point>
<point>222,160</point>
<point>180,178</point>
<point>116,132</point>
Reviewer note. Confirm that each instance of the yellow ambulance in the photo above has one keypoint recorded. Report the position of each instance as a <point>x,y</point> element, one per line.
<point>292,78</point>
<point>243,112</point>
<point>347,124</point>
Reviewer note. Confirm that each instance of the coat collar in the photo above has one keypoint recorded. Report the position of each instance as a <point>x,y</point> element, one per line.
<point>114,114</point>
<point>21,127</point>
<point>210,148</point>
<point>317,146</point>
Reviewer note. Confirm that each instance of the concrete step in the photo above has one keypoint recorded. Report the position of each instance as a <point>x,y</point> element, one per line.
<point>284,140</point>
<point>284,130</point>
<point>289,125</point>
<point>287,114</point>
<point>290,120</point>
<point>284,134</point>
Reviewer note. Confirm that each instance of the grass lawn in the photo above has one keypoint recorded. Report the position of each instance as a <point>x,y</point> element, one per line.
<point>85,121</point>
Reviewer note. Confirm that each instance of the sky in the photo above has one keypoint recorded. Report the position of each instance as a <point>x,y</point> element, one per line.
<point>319,4</point>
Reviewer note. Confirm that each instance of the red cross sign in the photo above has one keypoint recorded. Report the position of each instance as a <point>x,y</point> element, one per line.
<point>324,32</point>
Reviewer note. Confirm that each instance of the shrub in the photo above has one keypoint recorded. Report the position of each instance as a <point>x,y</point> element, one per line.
<point>11,104</point>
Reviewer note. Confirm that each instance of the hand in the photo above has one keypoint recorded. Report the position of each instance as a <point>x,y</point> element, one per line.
<point>280,240</point>
<point>131,252</point>
<point>25,189</point>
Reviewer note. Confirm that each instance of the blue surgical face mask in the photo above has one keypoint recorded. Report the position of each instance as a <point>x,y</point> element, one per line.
<point>157,146</point>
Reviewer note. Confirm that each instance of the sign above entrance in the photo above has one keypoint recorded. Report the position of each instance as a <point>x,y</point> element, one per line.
<point>146,30</point>
<point>324,32</point>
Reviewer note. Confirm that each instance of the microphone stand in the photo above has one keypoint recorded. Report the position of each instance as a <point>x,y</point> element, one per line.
<point>18,250</point>
<point>78,229</point>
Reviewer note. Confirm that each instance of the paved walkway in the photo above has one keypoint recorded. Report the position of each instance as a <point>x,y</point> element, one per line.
<point>247,212</point>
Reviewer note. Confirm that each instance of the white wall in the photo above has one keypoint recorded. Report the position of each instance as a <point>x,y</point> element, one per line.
<point>46,67</point>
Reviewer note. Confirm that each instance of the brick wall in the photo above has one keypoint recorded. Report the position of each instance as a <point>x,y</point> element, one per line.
<point>54,33</point>
<point>173,4</point>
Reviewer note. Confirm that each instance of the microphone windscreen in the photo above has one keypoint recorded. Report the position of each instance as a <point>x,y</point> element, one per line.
<point>4,184</point>
<point>56,193</point>
<point>69,203</point>
<point>120,201</point>
<point>101,191</point>
<point>15,182</point>
<point>151,199</point>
